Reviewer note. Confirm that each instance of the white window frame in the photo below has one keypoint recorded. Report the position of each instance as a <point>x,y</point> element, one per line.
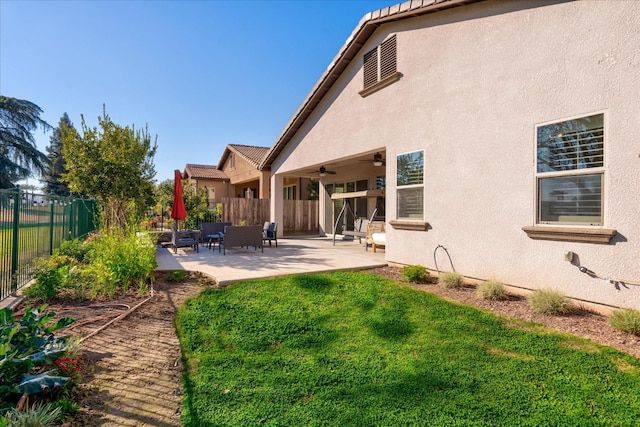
<point>576,172</point>
<point>289,192</point>
<point>399,188</point>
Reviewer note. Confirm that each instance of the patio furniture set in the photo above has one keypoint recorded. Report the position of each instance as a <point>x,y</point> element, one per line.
<point>224,235</point>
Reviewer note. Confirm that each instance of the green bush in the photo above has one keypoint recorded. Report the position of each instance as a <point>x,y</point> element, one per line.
<point>415,273</point>
<point>75,249</point>
<point>51,277</point>
<point>549,301</point>
<point>110,263</point>
<point>626,320</point>
<point>492,290</point>
<point>118,261</point>
<point>450,280</point>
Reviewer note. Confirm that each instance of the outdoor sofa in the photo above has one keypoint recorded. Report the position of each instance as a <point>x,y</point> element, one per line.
<point>243,235</point>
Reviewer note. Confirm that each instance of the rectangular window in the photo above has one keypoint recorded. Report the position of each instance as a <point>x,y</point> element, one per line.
<point>289,192</point>
<point>570,171</point>
<point>380,63</point>
<point>410,185</point>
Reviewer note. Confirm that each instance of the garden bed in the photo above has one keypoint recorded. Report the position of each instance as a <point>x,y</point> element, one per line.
<point>581,323</point>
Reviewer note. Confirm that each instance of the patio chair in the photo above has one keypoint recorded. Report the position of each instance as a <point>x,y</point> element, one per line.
<point>183,240</point>
<point>376,236</point>
<point>270,232</point>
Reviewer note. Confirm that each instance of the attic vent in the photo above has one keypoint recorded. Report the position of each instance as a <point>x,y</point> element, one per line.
<point>380,66</point>
<point>388,58</point>
<point>370,68</point>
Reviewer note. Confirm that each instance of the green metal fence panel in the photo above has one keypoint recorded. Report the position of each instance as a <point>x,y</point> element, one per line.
<point>31,226</point>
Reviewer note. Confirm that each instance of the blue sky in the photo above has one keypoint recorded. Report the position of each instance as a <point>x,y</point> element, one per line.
<point>200,74</point>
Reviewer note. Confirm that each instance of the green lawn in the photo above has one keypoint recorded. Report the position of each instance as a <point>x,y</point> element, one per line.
<point>355,349</point>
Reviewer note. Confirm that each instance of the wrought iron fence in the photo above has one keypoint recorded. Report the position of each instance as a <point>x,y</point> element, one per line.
<point>31,226</point>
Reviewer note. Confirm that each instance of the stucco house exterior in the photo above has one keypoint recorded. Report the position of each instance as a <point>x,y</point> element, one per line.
<point>503,133</point>
<point>241,163</point>
<point>210,178</point>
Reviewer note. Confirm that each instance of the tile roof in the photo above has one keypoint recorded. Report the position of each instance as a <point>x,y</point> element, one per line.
<point>203,172</point>
<point>348,52</point>
<point>251,154</point>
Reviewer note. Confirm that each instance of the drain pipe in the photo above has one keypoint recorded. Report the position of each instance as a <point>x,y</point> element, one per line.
<point>436,262</point>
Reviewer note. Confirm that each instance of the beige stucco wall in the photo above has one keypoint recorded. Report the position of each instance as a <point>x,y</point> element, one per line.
<point>244,175</point>
<point>475,82</point>
<point>221,187</point>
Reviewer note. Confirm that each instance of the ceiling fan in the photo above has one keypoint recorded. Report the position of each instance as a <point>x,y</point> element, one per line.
<point>323,171</point>
<point>377,160</point>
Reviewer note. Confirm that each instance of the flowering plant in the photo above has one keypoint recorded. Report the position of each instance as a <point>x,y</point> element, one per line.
<point>68,367</point>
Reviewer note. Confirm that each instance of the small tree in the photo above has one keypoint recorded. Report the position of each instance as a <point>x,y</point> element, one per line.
<point>113,164</point>
<point>52,176</point>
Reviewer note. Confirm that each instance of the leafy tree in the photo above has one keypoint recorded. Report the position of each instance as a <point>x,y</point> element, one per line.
<point>19,156</point>
<point>164,196</point>
<point>113,164</point>
<point>52,176</point>
<point>195,200</point>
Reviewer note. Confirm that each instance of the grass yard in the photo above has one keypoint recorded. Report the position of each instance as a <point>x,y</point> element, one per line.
<point>356,349</point>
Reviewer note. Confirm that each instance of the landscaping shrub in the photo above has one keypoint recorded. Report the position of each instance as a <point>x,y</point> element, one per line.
<point>112,262</point>
<point>492,290</point>
<point>450,280</point>
<point>51,277</point>
<point>415,273</point>
<point>124,260</point>
<point>75,249</point>
<point>39,415</point>
<point>626,320</point>
<point>549,301</point>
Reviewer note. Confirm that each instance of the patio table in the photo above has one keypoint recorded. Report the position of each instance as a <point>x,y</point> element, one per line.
<point>214,238</point>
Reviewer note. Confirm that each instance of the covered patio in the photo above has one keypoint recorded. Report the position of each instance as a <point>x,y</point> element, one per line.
<point>292,256</point>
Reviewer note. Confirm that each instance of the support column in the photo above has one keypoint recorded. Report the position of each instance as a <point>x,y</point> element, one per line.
<point>276,201</point>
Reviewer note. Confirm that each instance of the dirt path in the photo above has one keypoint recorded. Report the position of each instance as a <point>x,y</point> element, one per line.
<point>133,370</point>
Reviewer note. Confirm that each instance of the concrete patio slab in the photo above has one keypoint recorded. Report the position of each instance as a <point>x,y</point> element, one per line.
<point>292,256</point>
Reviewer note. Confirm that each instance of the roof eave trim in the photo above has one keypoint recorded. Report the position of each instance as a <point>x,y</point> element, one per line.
<point>367,25</point>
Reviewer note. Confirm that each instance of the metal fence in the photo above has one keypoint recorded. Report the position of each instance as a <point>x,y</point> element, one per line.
<point>32,226</point>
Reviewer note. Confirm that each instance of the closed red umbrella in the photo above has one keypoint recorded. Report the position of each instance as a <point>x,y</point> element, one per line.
<point>178,211</point>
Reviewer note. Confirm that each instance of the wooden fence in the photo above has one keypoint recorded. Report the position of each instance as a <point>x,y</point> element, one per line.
<point>245,211</point>
<point>300,216</point>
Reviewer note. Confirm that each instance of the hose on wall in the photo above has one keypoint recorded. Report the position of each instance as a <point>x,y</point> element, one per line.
<point>436,262</point>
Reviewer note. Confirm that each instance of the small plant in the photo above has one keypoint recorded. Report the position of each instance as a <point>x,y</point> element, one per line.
<point>549,301</point>
<point>179,275</point>
<point>29,345</point>
<point>450,280</point>
<point>36,416</point>
<point>626,320</point>
<point>67,406</point>
<point>492,290</point>
<point>48,279</point>
<point>415,273</point>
